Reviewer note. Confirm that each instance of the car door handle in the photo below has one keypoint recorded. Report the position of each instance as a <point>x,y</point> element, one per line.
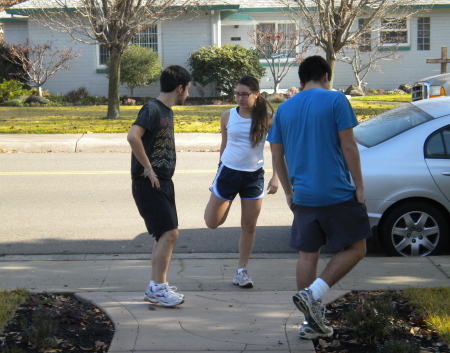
<point>446,173</point>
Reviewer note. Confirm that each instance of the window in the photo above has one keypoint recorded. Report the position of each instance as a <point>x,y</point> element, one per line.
<point>365,37</point>
<point>423,33</point>
<point>438,146</point>
<point>394,31</point>
<point>283,35</point>
<point>103,55</point>
<point>389,124</point>
<point>147,38</point>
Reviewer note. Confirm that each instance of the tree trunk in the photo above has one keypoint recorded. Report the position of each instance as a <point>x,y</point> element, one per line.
<point>331,59</point>
<point>39,91</point>
<point>114,84</point>
<point>276,86</point>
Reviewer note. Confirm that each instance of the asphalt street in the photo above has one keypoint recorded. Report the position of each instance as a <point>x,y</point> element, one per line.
<point>81,203</point>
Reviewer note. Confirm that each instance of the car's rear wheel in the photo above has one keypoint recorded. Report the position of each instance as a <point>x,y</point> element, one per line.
<point>414,229</point>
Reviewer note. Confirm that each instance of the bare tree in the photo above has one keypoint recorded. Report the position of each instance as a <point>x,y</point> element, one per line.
<point>281,48</point>
<point>365,54</point>
<point>40,62</point>
<point>332,22</point>
<point>111,23</point>
<point>4,4</point>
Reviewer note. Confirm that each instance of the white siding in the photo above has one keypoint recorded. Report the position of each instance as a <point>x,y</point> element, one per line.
<point>15,32</point>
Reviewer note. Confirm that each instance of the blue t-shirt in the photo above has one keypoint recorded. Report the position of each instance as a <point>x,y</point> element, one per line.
<point>307,125</point>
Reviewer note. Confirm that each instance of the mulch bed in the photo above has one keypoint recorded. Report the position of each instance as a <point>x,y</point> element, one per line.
<point>407,325</point>
<point>69,325</point>
<point>81,327</point>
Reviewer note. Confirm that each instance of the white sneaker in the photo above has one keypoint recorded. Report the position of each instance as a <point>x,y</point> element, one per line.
<point>309,333</point>
<point>313,310</point>
<point>243,279</point>
<point>166,296</point>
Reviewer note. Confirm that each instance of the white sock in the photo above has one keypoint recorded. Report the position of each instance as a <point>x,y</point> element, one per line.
<point>152,283</point>
<point>318,288</point>
<point>240,270</point>
<point>156,287</point>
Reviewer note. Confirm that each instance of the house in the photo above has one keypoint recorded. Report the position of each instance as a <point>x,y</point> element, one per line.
<point>229,22</point>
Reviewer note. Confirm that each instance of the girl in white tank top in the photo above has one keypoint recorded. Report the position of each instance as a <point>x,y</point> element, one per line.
<point>244,130</point>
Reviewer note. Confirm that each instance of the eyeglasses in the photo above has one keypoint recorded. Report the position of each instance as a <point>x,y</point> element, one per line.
<point>244,95</point>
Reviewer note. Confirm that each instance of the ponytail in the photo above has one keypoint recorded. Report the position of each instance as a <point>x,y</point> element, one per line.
<point>260,120</point>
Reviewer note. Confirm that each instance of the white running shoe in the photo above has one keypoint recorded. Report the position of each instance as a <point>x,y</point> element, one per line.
<point>166,296</point>
<point>243,279</point>
<point>308,333</point>
<point>313,310</point>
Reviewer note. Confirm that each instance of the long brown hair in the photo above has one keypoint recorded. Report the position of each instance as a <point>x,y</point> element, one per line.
<point>260,121</point>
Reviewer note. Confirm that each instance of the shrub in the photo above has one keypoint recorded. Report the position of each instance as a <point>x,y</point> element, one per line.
<point>11,89</point>
<point>276,98</point>
<point>16,102</point>
<point>224,66</point>
<point>8,69</point>
<point>397,346</point>
<point>74,96</point>
<point>139,66</point>
<point>129,101</point>
<point>41,331</point>
<point>372,318</point>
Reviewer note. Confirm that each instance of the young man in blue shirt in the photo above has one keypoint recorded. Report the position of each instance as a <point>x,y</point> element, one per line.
<point>316,158</point>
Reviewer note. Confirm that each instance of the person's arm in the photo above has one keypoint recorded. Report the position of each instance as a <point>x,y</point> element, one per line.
<point>223,130</point>
<point>134,138</point>
<point>273,182</point>
<point>279,164</point>
<point>351,156</point>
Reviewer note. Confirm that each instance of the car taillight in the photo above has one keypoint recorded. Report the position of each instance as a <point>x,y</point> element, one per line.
<point>437,91</point>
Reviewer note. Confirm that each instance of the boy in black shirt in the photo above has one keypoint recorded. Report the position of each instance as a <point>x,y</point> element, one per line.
<point>152,166</point>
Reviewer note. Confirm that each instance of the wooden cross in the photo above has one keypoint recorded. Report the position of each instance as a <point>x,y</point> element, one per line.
<point>443,60</point>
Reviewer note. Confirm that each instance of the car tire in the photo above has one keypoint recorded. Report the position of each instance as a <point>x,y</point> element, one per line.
<point>414,229</point>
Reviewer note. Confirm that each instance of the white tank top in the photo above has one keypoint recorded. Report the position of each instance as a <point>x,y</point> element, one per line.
<point>238,153</point>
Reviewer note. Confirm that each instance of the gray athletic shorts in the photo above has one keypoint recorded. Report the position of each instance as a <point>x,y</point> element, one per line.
<point>342,224</point>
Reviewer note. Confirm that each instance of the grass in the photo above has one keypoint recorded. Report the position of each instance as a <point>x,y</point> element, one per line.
<point>83,119</point>
<point>434,305</point>
<point>385,98</point>
<point>9,302</point>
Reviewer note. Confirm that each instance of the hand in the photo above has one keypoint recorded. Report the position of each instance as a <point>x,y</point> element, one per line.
<point>290,199</point>
<point>273,186</point>
<point>153,178</point>
<point>359,194</point>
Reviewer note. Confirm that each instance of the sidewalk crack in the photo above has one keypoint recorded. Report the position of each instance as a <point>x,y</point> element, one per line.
<point>438,266</point>
<point>106,275</point>
<point>76,143</point>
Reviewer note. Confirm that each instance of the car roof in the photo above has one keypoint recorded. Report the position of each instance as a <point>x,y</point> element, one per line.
<point>436,107</point>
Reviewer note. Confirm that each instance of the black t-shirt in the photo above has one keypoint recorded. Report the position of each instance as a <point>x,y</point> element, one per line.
<point>158,140</point>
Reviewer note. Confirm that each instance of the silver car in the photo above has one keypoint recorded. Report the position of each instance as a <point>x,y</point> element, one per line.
<point>405,159</point>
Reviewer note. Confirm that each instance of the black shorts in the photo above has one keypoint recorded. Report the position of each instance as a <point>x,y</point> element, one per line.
<point>230,182</point>
<point>156,205</point>
<point>343,225</point>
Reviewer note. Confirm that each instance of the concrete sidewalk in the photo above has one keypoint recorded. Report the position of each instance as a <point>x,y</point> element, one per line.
<point>216,316</point>
<point>94,143</point>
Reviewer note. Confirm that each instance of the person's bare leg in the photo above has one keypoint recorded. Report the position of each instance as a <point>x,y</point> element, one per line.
<point>162,254</point>
<point>343,262</point>
<point>249,217</point>
<point>306,268</point>
<point>216,211</point>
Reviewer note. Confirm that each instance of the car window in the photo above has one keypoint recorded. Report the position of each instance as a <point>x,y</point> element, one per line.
<point>389,124</point>
<point>438,145</point>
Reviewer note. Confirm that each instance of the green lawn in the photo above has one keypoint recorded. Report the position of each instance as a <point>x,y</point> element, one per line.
<point>82,119</point>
